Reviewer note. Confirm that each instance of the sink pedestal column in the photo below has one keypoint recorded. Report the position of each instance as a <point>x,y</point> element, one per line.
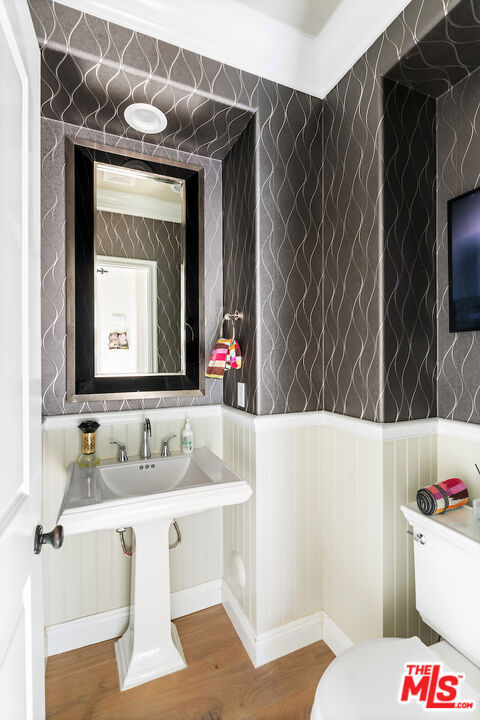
<point>150,646</point>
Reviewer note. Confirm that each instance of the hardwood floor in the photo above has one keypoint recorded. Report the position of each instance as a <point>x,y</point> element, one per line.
<point>219,683</point>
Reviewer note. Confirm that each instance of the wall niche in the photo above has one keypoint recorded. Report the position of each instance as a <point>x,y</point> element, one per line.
<point>431,143</point>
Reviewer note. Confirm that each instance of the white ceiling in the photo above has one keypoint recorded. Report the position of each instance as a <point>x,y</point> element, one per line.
<point>308,45</point>
<point>129,192</point>
<point>309,16</point>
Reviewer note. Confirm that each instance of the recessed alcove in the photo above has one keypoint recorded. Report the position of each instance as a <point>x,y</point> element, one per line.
<point>431,145</point>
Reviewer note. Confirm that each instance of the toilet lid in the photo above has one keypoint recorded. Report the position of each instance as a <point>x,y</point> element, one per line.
<point>364,683</point>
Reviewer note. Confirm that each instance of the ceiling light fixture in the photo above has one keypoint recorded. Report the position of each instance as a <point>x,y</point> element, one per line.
<point>145,118</point>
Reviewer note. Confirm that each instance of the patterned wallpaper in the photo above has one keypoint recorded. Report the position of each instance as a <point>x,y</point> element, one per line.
<point>239,286</point>
<point>324,279</point>
<point>91,69</point>
<point>129,236</point>
<point>445,66</point>
<point>409,288</point>
<point>359,380</point>
<point>54,272</point>
<point>458,153</point>
<point>445,55</point>
<point>289,254</point>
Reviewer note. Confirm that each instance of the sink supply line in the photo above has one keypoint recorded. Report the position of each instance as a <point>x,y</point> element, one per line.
<point>129,553</point>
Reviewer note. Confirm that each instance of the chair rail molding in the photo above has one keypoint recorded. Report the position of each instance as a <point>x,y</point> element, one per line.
<point>127,417</point>
<point>322,418</point>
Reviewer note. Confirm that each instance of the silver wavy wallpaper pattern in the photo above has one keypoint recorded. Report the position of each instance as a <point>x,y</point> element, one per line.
<point>130,236</point>
<point>447,54</point>
<point>320,259</point>
<point>239,283</point>
<point>409,256</point>
<point>92,69</point>
<point>365,375</point>
<point>353,232</point>
<point>54,281</point>
<point>458,171</point>
<point>289,252</point>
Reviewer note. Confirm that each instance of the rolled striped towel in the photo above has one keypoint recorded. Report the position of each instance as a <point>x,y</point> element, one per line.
<point>446,495</point>
<point>225,355</point>
<point>218,359</point>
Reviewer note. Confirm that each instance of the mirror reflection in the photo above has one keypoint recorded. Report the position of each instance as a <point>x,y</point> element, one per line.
<point>139,271</point>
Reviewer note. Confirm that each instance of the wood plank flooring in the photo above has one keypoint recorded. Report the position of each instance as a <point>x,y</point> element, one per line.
<point>219,683</point>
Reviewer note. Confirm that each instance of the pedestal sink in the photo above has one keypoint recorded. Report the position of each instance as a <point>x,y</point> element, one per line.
<point>147,495</point>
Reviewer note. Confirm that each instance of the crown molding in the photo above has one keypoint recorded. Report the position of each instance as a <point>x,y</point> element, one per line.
<point>237,35</point>
<point>348,34</point>
<point>222,30</point>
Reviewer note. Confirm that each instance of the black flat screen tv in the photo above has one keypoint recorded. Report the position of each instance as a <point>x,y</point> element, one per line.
<point>464,261</point>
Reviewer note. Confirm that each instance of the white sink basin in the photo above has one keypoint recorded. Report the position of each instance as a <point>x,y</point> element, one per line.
<point>147,495</point>
<point>145,478</point>
<point>121,494</point>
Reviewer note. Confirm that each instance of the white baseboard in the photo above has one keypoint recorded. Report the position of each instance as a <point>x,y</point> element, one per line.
<point>86,630</point>
<point>262,648</point>
<point>335,638</point>
<point>111,624</point>
<point>288,638</point>
<point>269,646</point>
<point>199,597</point>
<point>240,622</point>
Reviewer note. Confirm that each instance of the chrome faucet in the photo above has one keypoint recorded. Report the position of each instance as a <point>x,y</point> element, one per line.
<point>122,456</point>
<point>147,432</point>
<point>166,447</point>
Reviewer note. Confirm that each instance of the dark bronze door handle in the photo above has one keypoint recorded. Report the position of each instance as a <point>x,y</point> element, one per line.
<point>53,538</point>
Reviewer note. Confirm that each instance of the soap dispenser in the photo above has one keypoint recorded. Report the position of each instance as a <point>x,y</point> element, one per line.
<point>89,455</point>
<point>187,438</point>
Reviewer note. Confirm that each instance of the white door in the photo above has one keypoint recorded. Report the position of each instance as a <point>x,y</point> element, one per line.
<point>21,591</point>
<point>125,316</point>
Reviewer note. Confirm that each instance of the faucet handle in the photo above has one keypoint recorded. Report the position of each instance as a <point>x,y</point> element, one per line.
<point>123,451</point>
<point>147,427</point>
<point>165,447</point>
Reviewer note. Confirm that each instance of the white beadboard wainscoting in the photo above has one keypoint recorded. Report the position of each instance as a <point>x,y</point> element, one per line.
<point>240,521</point>
<point>458,451</point>
<point>90,574</point>
<point>328,534</point>
<point>289,523</point>
<point>408,464</point>
<point>320,550</point>
<point>277,534</point>
<point>351,520</point>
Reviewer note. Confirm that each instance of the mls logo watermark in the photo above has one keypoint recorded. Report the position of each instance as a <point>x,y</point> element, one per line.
<point>438,691</point>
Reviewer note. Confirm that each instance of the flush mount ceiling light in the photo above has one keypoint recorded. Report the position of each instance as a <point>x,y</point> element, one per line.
<point>145,118</point>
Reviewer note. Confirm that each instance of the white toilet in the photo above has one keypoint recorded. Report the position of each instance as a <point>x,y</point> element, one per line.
<point>364,682</point>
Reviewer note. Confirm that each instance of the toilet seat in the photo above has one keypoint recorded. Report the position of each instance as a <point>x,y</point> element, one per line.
<point>364,683</point>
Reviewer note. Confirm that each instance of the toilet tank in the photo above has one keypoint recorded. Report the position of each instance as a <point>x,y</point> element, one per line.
<point>447,576</point>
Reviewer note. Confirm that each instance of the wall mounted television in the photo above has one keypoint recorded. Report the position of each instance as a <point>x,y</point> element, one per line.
<point>464,261</point>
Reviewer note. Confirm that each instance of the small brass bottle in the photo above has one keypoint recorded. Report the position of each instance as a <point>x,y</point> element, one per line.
<point>89,455</point>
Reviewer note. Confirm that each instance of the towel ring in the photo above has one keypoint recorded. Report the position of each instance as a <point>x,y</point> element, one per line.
<point>233,317</point>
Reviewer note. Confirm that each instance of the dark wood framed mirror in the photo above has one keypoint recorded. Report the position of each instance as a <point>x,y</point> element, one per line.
<point>135,275</point>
